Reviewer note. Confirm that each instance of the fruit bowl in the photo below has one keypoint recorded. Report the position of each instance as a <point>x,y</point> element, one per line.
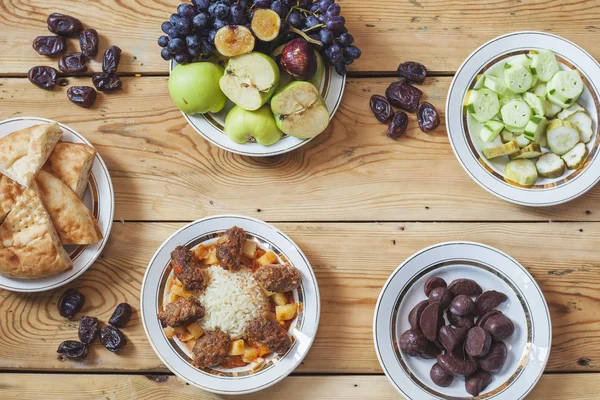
<point>210,125</point>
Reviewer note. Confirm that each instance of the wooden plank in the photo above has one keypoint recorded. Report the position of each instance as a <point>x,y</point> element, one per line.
<point>438,34</point>
<point>159,387</point>
<point>351,172</point>
<point>351,261</point>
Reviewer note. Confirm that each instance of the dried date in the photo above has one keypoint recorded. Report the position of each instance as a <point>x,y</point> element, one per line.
<point>88,329</point>
<point>50,45</point>
<point>452,338</point>
<point>121,315</point>
<point>477,382</point>
<point>107,82</point>
<point>427,117</point>
<point>432,283</point>
<point>88,40</point>
<point>44,77</point>
<point>64,25</point>
<point>413,71</point>
<point>398,125</point>
<point>111,59</point>
<point>73,63</point>
<point>441,295</point>
<point>414,316</point>
<point>72,349</point>
<point>489,300</point>
<point>413,342</point>
<point>404,95</point>
<point>70,303</point>
<point>431,320</point>
<point>462,305</point>
<point>112,338</point>
<point>381,108</point>
<point>83,96</point>
<point>439,376</point>
<point>456,366</point>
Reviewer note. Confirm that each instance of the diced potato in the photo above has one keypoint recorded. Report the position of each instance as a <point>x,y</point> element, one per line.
<point>211,258</point>
<point>286,312</point>
<point>177,282</point>
<point>268,258</point>
<point>249,249</point>
<point>172,296</point>
<point>265,291</point>
<point>262,350</point>
<point>250,354</point>
<point>169,332</point>
<point>178,290</point>
<point>190,344</point>
<point>258,364</point>
<point>236,347</point>
<point>280,299</point>
<point>180,330</point>
<point>201,252</point>
<point>195,329</point>
<point>169,284</point>
<point>186,336</point>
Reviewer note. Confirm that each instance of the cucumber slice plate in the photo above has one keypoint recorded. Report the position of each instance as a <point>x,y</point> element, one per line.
<point>518,79</point>
<point>584,125</point>
<point>576,156</point>
<point>532,151</point>
<point>537,104</point>
<point>544,65</point>
<point>565,86</point>
<point>491,130</point>
<point>482,104</point>
<point>521,171</point>
<point>503,150</point>
<point>550,165</point>
<point>494,84</point>
<point>567,112</point>
<point>562,136</point>
<point>536,128</point>
<point>516,113</point>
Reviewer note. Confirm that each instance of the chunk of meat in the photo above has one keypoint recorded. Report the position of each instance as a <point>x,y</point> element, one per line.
<point>270,334</point>
<point>181,312</point>
<point>187,268</point>
<point>211,349</point>
<point>229,248</point>
<point>278,278</point>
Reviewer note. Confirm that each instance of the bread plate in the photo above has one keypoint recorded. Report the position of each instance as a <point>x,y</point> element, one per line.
<point>528,347</point>
<point>99,199</point>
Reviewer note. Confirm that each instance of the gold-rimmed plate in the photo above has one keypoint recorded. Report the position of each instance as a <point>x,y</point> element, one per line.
<point>528,347</point>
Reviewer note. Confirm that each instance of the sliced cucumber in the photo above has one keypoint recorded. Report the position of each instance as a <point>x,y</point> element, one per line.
<point>507,136</point>
<point>537,104</point>
<point>516,131</point>
<point>521,171</point>
<point>564,114</point>
<point>554,99</point>
<point>491,130</point>
<point>522,140</point>
<point>482,104</point>
<point>562,136</point>
<point>540,89</point>
<point>584,125</point>
<point>535,128</point>
<point>508,96</point>
<point>503,150</point>
<point>516,113</point>
<point>532,151</point>
<point>544,65</point>
<point>565,86</point>
<point>518,78</point>
<point>576,156</point>
<point>550,165</point>
<point>551,109</point>
<point>495,84</point>
<point>522,59</point>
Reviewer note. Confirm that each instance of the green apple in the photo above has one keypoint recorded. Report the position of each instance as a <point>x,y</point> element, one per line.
<point>241,125</point>
<point>195,88</point>
<point>299,110</point>
<point>250,80</point>
<point>318,76</point>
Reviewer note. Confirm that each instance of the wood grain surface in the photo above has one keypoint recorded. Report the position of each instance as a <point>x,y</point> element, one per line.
<point>351,172</point>
<point>439,34</point>
<point>352,261</point>
<point>168,387</point>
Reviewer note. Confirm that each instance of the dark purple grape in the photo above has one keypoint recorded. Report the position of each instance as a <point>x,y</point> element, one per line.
<point>194,52</point>
<point>348,61</point>
<point>176,45</point>
<point>336,23</point>
<point>322,18</point>
<point>346,39</point>
<point>72,349</point>
<point>227,2</point>
<point>304,3</point>
<point>183,26</point>
<point>284,27</point>
<point>174,18</point>
<point>262,3</point>
<point>325,4</point>
<point>182,58</point>
<point>326,36</point>
<point>206,46</point>
<point>295,19</point>
<point>173,33</point>
<point>311,21</point>
<point>166,27</point>
<point>107,82</point>
<point>314,7</point>
<point>211,8</point>
<point>211,36</point>
<point>236,14</point>
<point>221,11</point>
<point>340,68</point>
<point>334,54</point>
<point>201,5</point>
<point>200,22</point>
<point>333,10</point>
<point>219,23</point>
<point>280,8</point>
<point>166,54</point>
<point>352,52</point>
<point>163,41</point>
<point>186,10</point>
<point>244,4</point>
<point>193,41</point>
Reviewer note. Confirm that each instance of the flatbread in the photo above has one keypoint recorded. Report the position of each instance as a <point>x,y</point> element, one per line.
<point>71,163</point>
<point>29,245</point>
<point>24,152</point>
<point>74,223</point>
<point>9,193</point>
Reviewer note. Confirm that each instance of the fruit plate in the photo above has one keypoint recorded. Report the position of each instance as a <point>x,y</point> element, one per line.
<point>99,198</point>
<point>177,357</point>
<point>528,347</point>
<point>463,129</point>
<point>210,125</point>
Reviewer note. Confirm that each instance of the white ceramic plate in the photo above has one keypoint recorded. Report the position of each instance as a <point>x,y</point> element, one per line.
<point>210,126</point>
<point>99,197</point>
<point>463,129</point>
<point>176,356</point>
<point>528,347</point>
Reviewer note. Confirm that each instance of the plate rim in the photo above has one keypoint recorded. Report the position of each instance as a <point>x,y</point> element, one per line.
<point>502,195</point>
<point>297,361</point>
<point>454,243</point>
<point>104,241</point>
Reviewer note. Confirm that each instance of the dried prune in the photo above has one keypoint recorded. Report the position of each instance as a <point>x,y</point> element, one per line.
<point>70,303</point>
<point>414,315</point>
<point>121,315</point>
<point>427,117</point>
<point>481,321</point>
<point>462,305</point>
<point>495,358</point>
<point>112,338</point>
<point>458,321</point>
<point>88,40</point>
<point>431,321</point>
<point>381,108</point>
<point>489,300</point>
<point>398,125</point>
<point>432,283</point>
<point>500,326</point>
<point>413,71</point>
<point>465,286</point>
<point>83,96</point>
<point>64,25</point>
<point>107,82</point>
<point>452,338</point>
<point>73,63</point>
<point>441,295</point>
<point>413,342</point>
<point>456,366</point>
<point>404,95</point>
<point>477,382</point>
<point>88,329</point>
<point>478,342</point>
<point>44,77</point>
<point>111,59</point>
<point>49,45</point>
<point>439,376</point>
<point>72,349</point>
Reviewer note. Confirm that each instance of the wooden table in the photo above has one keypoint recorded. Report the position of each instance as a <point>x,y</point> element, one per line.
<point>355,201</point>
